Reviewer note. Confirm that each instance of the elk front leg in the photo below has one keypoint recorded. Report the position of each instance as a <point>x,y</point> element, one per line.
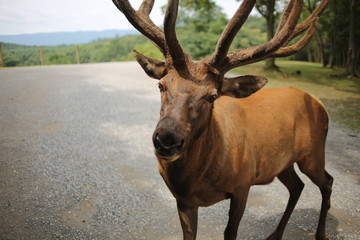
<point>188,218</point>
<point>237,207</point>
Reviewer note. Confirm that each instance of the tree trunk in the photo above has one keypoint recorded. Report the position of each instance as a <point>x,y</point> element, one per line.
<point>321,50</point>
<point>41,55</point>
<point>270,22</point>
<point>77,54</point>
<point>2,64</point>
<point>331,59</point>
<point>267,8</point>
<point>351,60</point>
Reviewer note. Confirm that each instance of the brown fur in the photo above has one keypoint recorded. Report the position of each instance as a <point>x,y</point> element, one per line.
<point>249,141</point>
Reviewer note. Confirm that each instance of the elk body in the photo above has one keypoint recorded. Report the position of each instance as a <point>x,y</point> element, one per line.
<point>218,136</point>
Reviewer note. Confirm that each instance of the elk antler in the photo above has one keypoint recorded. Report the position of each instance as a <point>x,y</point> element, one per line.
<point>141,21</point>
<point>296,47</point>
<point>287,30</point>
<point>166,42</point>
<point>231,30</point>
<point>174,49</point>
<point>222,59</point>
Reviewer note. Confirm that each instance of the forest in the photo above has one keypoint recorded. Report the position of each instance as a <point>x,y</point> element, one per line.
<point>199,25</point>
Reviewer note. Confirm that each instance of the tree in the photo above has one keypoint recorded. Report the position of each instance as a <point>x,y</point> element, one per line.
<point>198,13</point>
<point>336,29</point>
<point>352,49</point>
<point>341,29</point>
<point>321,57</point>
<point>11,62</point>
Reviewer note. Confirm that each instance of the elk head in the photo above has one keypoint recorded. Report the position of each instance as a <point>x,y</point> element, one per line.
<point>189,89</point>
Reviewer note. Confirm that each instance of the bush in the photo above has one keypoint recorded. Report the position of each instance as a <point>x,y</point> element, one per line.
<point>58,59</point>
<point>11,62</point>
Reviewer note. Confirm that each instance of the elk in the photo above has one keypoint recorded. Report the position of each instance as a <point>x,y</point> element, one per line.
<point>218,136</point>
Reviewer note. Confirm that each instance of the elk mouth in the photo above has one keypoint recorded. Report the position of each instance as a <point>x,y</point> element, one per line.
<point>170,158</point>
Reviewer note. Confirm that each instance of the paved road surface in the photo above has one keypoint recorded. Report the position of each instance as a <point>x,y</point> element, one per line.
<point>76,162</point>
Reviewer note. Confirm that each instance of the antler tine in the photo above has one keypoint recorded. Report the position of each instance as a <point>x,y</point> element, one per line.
<point>303,26</point>
<point>141,21</point>
<point>230,31</point>
<point>176,53</point>
<point>253,54</point>
<point>285,16</point>
<point>308,24</point>
<point>292,49</point>
<point>296,47</point>
<point>146,7</point>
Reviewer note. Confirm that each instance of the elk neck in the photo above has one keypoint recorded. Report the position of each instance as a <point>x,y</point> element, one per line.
<point>201,160</point>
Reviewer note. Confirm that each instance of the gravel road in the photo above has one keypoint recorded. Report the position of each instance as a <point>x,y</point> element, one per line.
<point>76,162</point>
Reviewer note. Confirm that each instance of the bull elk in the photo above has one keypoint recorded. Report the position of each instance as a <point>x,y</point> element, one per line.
<point>213,140</point>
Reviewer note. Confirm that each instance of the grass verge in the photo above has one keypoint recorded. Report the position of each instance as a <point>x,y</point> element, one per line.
<point>340,95</point>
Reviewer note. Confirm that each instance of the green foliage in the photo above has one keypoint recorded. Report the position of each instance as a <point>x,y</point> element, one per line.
<point>11,62</point>
<point>199,14</point>
<point>200,23</point>
<point>58,59</point>
<point>200,38</point>
<point>148,49</point>
<point>198,44</point>
<point>107,50</point>
<point>253,33</point>
<point>18,55</point>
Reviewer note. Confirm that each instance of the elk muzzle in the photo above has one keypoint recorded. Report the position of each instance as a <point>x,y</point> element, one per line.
<point>167,143</point>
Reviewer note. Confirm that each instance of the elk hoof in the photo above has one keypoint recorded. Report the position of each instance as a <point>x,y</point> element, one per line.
<point>322,237</point>
<point>274,236</point>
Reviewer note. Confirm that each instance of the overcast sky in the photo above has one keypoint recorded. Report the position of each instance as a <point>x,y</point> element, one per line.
<point>34,16</point>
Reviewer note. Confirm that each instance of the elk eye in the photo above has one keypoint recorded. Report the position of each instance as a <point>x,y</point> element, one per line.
<point>212,98</point>
<point>161,87</point>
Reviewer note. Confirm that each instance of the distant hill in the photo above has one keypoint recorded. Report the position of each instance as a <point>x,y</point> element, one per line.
<point>59,38</point>
<point>100,47</point>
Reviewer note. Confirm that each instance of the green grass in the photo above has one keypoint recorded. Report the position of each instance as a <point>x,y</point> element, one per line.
<point>340,95</point>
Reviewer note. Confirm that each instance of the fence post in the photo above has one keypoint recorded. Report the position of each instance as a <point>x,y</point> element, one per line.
<point>2,64</point>
<point>41,55</point>
<point>77,54</point>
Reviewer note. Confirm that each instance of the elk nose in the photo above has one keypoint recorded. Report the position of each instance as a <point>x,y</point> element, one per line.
<point>167,144</point>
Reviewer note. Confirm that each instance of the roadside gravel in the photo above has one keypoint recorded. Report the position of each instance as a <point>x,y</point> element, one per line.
<point>76,163</point>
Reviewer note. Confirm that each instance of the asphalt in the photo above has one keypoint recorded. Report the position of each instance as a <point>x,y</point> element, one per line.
<point>76,162</point>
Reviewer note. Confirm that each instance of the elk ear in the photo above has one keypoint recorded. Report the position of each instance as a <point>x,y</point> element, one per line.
<point>243,86</point>
<point>154,68</point>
